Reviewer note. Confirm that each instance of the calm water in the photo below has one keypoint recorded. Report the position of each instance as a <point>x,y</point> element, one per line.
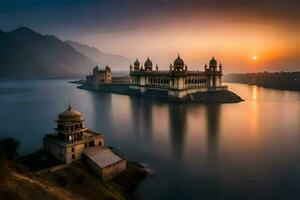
<point>248,150</point>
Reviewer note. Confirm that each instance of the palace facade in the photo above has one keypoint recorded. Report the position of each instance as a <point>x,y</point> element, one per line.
<point>100,76</point>
<point>178,80</point>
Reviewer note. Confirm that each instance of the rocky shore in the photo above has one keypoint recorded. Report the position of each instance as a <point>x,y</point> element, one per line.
<point>199,97</point>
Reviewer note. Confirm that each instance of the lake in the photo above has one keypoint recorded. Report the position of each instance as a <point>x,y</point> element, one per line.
<point>246,150</point>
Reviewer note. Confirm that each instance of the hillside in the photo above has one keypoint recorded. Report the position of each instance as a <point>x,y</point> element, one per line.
<point>15,183</point>
<point>74,182</point>
<point>115,62</point>
<point>274,80</point>
<point>28,54</point>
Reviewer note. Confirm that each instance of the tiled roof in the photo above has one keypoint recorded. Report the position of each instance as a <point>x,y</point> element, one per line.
<point>103,157</point>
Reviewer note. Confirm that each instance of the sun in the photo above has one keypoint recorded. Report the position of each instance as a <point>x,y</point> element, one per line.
<point>254,58</point>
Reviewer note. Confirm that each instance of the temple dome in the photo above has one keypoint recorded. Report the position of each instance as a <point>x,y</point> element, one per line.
<point>213,62</point>
<point>70,115</point>
<point>178,62</point>
<point>148,63</point>
<point>107,68</point>
<point>137,63</point>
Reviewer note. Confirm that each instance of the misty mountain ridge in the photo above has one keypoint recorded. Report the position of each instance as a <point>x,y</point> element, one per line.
<point>25,53</point>
<point>116,62</point>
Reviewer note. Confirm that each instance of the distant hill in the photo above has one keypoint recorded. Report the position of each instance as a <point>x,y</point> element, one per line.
<point>27,54</point>
<point>115,62</point>
<point>275,80</point>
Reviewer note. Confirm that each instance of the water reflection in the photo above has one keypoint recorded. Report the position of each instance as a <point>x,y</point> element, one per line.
<point>147,113</point>
<point>213,112</point>
<point>254,92</point>
<point>178,117</point>
<point>142,117</point>
<point>99,110</point>
<point>253,114</point>
<point>197,151</point>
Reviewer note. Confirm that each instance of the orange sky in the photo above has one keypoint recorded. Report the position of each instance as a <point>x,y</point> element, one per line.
<point>274,43</point>
<point>233,31</point>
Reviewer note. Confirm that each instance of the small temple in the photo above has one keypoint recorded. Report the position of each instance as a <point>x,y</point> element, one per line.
<point>72,140</point>
<point>100,76</point>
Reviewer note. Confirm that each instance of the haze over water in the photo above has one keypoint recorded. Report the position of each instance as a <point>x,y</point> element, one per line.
<point>248,150</point>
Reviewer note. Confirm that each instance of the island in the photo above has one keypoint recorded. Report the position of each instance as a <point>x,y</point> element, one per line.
<point>178,84</point>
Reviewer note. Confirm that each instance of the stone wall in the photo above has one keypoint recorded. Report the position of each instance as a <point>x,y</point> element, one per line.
<point>57,150</point>
<point>69,152</point>
<point>114,169</point>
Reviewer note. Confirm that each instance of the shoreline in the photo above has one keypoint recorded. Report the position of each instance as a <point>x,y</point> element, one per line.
<point>225,96</point>
<point>265,86</point>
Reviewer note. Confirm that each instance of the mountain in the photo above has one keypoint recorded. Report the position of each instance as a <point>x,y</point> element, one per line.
<point>28,54</point>
<point>115,62</point>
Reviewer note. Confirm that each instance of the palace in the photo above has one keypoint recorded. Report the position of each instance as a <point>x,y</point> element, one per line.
<point>72,140</point>
<point>178,80</point>
<point>100,76</point>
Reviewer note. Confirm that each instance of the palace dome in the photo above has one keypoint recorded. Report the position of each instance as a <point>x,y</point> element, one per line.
<point>137,63</point>
<point>70,115</point>
<point>178,62</point>
<point>148,63</point>
<point>213,62</point>
<point>107,68</point>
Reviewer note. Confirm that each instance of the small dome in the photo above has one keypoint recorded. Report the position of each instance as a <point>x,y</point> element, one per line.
<point>178,62</point>
<point>107,68</point>
<point>213,62</point>
<point>137,63</point>
<point>96,68</point>
<point>148,63</point>
<point>70,115</point>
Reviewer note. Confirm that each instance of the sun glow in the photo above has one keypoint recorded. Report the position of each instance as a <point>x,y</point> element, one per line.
<point>254,58</point>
